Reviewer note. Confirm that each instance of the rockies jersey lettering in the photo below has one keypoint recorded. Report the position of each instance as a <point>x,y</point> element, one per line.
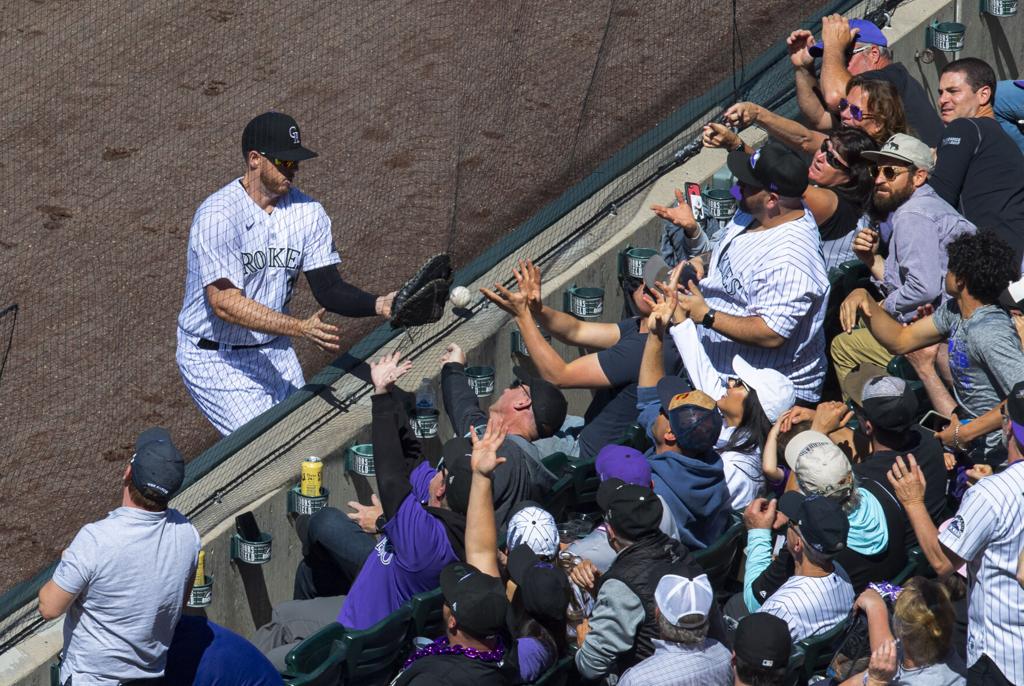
<point>262,254</point>
<point>778,275</point>
<point>988,533</point>
<point>812,605</point>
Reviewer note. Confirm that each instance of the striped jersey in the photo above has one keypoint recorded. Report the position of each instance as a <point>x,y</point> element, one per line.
<point>988,533</point>
<point>812,605</point>
<point>779,275</point>
<point>262,254</point>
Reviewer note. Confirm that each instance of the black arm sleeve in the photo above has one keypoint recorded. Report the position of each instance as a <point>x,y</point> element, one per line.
<point>776,574</point>
<point>460,402</point>
<point>338,296</point>
<point>389,460</point>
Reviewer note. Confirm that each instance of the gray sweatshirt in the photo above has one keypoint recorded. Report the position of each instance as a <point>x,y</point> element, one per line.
<point>616,618</point>
<point>915,269</point>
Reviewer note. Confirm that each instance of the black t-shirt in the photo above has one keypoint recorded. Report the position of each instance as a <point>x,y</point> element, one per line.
<point>842,222</point>
<point>980,171</point>
<point>452,670</point>
<point>928,453</point>
<point>922,117</point>
<point>613,409</point>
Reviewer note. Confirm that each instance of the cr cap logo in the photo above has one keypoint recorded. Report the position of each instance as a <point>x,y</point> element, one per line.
<point>293,131</point>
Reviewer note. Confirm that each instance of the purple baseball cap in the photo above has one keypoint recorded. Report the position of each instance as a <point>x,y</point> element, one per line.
<point>867,33</point>
<point>625,463</point>
<point>1019,84</point>
<point>1015,411</point>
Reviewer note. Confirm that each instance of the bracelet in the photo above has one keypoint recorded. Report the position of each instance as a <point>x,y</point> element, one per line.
<point>739,146</point>
<point>956,436</point>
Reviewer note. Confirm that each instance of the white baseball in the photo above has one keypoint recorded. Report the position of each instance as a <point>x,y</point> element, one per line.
<point>460,296</point>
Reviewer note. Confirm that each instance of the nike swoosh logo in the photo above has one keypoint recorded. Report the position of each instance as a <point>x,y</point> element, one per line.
<point>250,225</point>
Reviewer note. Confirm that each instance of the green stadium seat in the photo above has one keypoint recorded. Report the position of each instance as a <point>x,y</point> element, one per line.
<point>557,501</point>
<point>55,673</point>
<point>795,668</point>
<point>319,660</point>
<point>370,656</point>
<point>559,674</point>
<point>917,565</point>
<point>374,655</point>
<point>427,613</point>
<point>584,481</point>
<point>818,650</point>
<point>556,463</point>
<point>718,559</point>
<point>635,437</point>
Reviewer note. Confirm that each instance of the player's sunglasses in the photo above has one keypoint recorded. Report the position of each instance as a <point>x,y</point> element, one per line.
<point>857,113</point>
<point>282,164</point>
<point>831,159</point>
<point>888,171</point>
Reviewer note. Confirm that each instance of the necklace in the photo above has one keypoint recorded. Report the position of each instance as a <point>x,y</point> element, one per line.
<point>441,647</point>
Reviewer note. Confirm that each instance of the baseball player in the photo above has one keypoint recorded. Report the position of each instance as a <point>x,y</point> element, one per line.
<point>247,244</point>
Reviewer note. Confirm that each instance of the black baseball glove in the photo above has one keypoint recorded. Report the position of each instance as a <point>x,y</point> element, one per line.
<point>421,300</point>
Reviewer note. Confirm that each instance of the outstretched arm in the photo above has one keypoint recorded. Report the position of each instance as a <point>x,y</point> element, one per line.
<point>792,134</point>
<point>895,337</point>
<point>337,295</point>
<point>481,530</point>
<point>389,457</point>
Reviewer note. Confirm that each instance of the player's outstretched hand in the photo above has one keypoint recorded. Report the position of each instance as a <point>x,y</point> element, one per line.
<point>382,306</point>
<point>485,449</point>
<point>387,370</point>
<point>319,332</point>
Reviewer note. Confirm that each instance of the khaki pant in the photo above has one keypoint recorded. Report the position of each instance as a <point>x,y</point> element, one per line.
<point>850,350</point>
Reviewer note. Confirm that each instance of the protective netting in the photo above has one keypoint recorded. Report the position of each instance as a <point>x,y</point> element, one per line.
<point>440,126</point>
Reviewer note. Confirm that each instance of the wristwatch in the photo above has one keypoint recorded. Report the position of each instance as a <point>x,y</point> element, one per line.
<point>708,322</point>
<point>739,146</point>
<point>381,521</point>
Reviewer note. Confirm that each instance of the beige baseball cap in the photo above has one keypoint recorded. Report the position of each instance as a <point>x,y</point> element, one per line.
<point>906,149</point>
<point>820,466</point>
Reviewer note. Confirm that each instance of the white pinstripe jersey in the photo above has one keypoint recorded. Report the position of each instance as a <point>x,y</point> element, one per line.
<point>988,533</point>
<point>812,605</point>
<point>779,275</point>
<point>262,254</point>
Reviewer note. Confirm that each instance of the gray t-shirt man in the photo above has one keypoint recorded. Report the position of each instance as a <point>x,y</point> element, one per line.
<point>985,359</point>
<point>130,572</point>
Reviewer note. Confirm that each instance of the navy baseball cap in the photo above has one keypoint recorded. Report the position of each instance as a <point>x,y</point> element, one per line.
<point>632,510</point>
<point>543,588</point>
<point>763,640</point>
<point>822,522</point>
<point>275,134</point>
<point>774,168</point>
<point>867,33</point>
<point>476,599</point>
<point>158,469</point>
<point>458,464</point>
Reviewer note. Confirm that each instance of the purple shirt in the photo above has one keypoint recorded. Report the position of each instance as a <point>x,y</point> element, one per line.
<point>407,560</point>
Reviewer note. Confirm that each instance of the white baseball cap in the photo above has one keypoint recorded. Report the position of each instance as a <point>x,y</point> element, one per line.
<point>821,467</point>
<point>678,597</point>
<point>774,390</point>
<point>535,527</point>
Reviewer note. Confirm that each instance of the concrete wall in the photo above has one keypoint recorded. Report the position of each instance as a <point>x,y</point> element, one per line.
<point>244,594</point>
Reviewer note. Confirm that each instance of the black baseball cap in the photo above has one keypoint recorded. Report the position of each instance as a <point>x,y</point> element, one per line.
<point>275,134</point>
<point>458,464</point>
<point>1015,411</point>
<point>633,511</point>
<point>547,402</point>
<point>543,588</point>
<point>774,167</point>
<point>763,641</point>
<point>477,600</point>
<point>823,524</point>
<point>887,401</point>
<point>158,469</point>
